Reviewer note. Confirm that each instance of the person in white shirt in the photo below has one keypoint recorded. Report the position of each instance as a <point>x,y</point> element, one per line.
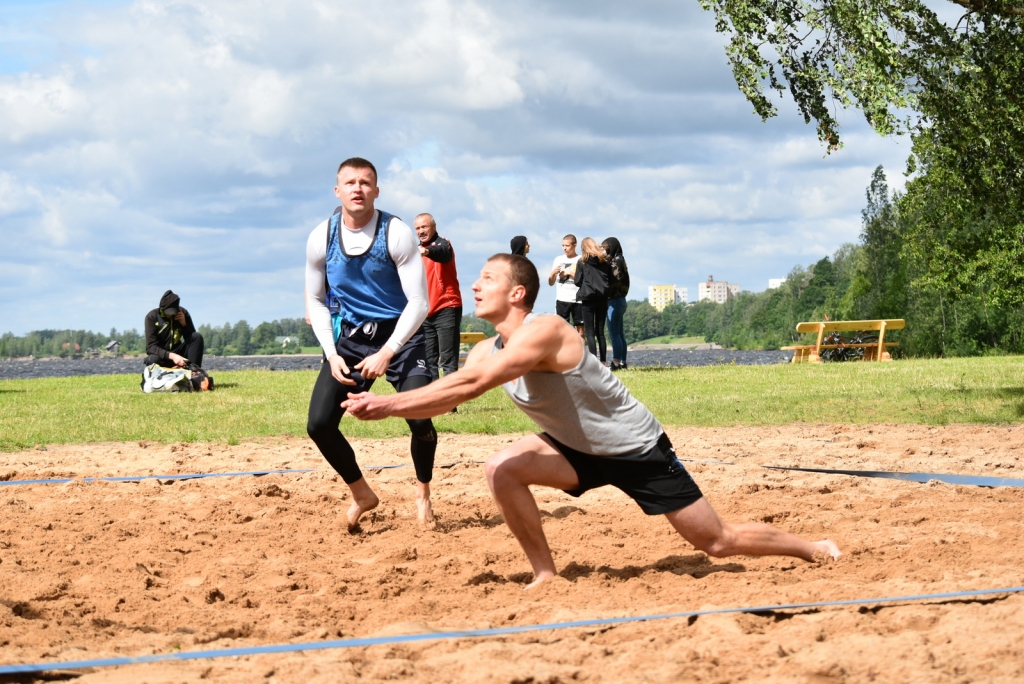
<point>366,298</point>
<point>562,270</point>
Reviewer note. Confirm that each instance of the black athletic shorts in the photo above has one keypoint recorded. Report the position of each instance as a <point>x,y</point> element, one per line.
<point>356,344</point>
<point>572,312</point>
<point>655,479</point>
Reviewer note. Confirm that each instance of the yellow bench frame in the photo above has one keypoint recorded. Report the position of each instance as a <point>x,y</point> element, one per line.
<point>811,353</point>
<point>470,338</point>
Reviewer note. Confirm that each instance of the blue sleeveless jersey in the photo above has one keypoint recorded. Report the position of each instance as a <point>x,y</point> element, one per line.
<point>366,287</point>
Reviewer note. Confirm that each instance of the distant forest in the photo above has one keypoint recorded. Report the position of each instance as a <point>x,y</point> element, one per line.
<point>893,272</point>
<point>239,339</point>
<point>883,276</point>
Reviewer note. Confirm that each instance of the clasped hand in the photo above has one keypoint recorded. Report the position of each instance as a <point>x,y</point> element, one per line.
<point>366,406</point>
<point>372,367</point>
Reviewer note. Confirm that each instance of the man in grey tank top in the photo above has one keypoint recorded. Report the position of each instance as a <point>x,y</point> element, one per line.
<point>595,432</point>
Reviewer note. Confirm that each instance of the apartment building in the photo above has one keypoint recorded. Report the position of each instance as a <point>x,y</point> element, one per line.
<point>716,290</point>
<point>660,296</point>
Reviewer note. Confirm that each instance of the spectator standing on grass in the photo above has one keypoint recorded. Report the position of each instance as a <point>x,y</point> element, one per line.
<point>520,245</point>
<point>562,270</point>
<point>618,288</point>
<point>591,277</point>
<point>367,298</point>
<point>595,432</point>
<point>171,337</point>
<point>444,317</point>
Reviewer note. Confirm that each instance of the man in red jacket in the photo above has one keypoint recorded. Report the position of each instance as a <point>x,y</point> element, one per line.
<point>445,300</point>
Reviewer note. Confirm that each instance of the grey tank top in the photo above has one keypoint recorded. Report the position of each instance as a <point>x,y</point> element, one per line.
<point>586,408</point>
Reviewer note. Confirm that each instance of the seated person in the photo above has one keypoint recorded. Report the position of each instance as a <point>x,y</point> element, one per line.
<point>171,338</point>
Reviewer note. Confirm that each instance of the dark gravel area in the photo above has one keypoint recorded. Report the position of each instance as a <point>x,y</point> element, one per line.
<point>61,368</point>
<point>706,357</point>
<point>11,369</point>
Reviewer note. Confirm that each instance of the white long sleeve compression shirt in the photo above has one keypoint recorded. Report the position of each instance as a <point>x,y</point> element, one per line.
<point>403,246</point>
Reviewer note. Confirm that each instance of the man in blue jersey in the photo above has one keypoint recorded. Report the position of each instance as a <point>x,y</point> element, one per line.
<point>366,298</point>
<point>595,432</point>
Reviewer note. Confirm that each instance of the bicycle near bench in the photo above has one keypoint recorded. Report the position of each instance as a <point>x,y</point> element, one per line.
<point>839,347</point>
<point>863,345</point>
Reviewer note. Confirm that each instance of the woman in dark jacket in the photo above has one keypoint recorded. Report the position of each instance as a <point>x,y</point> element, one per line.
<point>591,276</point>
<point>618,288</point>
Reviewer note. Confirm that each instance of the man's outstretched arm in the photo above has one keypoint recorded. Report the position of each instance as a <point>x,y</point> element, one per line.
<point>483,371</point>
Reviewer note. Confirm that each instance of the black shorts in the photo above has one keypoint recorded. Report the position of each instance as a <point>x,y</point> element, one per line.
<point>572,312</point>
<point>356,344</point>
<point>655,479</point>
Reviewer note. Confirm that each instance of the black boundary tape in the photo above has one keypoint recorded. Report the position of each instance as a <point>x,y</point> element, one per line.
<point>476,633</point>
<point>948,478</point>
<point>195,476</point>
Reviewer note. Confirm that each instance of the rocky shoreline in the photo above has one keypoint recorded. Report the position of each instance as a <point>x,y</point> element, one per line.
<point>12,369</point>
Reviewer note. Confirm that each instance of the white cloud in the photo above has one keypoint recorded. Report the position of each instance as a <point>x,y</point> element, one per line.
<point>192,145</point>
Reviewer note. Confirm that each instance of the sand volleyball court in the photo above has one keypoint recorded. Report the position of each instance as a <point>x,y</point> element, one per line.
<point>92,570</point>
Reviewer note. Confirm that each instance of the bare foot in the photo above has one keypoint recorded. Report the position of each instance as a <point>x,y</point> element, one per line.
<point>358,507</point>
<point>425,513</point>
<point>424,510</point>
<point>539,579</point>
<point>826,550</point>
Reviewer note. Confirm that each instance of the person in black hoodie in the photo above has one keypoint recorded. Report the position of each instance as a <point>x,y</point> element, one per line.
<point>591,276</point>
<point>618,288</point>
<point>171,337</point>
<point>520,245</point>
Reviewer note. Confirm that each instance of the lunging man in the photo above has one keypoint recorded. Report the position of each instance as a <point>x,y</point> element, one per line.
<point>595,432</point>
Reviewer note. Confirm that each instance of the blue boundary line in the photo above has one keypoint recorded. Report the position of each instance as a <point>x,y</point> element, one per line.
<point>694,460</point>
<point>949,478</point>
<point>471,633</point>
<point>193,476</point>
<point>139,478</point>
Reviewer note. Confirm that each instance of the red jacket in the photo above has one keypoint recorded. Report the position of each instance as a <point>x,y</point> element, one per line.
<point>442,280</point>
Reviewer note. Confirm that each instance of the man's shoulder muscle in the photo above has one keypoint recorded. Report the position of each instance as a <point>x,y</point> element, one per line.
<point>543,331</point>
<point>481,350</point>
<point>556,344</point>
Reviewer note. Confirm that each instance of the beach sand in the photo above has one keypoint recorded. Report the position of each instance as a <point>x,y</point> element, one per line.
<point>101,569</point>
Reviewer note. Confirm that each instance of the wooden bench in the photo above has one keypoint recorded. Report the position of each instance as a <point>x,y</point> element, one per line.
<point>470,338</point>
<point>873,351</point>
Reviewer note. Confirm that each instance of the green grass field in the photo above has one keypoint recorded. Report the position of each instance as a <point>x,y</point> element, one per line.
<point>254,404</point>
<point>669,339</point>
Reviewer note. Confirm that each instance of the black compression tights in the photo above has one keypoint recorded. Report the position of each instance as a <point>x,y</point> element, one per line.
<point>325,414</point>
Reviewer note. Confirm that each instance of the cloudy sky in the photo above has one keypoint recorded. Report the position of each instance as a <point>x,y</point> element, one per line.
<point>192,145</point>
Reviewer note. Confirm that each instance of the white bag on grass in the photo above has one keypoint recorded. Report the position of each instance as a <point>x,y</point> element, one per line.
<point>156,378</point>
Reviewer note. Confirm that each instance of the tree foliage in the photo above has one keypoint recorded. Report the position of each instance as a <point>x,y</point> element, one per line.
<point>963,209</point>
<point>229,339</point>
<point>42,343</point>
<point>881,56</point>
<point>957,89</point>
<point>881,277</point>
<point>471,323</point>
